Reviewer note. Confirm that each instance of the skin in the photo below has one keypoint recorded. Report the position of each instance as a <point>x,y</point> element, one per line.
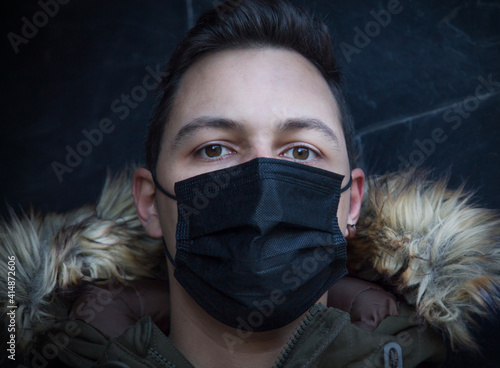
<point>261,91</point>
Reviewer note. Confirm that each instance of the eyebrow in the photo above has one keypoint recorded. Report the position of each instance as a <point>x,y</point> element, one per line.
<point>204,122</point>
<point>294,124</point>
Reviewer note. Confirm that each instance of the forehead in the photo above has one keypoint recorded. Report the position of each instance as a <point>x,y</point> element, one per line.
<point>258,85</point>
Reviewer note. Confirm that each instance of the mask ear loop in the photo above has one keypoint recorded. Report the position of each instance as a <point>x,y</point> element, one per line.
<point>157,185</point>
<point>169,256</point>
<point>347,186</point>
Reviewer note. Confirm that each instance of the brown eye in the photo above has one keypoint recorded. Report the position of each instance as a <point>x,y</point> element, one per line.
<point>213,150</point>
<point>300,153</point>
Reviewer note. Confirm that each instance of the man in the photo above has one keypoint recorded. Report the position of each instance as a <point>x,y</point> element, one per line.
<point>233,106</point>
<point>257,81</point>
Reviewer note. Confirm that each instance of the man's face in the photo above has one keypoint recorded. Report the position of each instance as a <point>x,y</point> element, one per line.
<point>236,105</point>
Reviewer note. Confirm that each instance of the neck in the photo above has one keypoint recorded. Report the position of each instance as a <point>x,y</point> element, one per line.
<point>207,343</point>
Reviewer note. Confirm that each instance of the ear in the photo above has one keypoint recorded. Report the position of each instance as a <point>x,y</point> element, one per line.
<point>143,191</point>
<point>357,192</point>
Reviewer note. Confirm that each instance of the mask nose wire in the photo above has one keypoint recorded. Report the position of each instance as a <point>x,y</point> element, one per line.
<point>164,191</point>
<point>168,194</point>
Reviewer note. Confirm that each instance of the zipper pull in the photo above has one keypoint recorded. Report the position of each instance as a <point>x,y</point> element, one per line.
<point>393,356</point>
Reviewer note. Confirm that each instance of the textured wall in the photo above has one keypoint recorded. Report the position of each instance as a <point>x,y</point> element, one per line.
<point>423,87</point>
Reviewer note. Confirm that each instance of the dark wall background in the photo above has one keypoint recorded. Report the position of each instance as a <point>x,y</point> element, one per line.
<point>413,84</point>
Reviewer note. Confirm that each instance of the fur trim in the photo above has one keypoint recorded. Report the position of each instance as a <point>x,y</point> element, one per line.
<point>441,252</point>
<point>58,252</point>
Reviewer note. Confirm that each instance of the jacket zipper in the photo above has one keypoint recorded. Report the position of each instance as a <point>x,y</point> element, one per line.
<point>292,342</point>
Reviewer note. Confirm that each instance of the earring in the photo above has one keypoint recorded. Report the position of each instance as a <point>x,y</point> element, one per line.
<point>351,227</point>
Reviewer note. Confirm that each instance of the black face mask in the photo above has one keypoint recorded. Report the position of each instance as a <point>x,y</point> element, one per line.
<point>259,243</point>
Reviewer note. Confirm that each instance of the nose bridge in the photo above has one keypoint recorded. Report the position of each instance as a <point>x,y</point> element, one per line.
<point>261,152</point>
<point>261,145</point>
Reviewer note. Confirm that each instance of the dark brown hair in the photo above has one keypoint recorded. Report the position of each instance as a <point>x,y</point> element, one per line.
<point>240,24</point>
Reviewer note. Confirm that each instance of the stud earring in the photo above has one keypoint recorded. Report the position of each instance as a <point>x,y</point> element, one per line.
<point>351,229</point>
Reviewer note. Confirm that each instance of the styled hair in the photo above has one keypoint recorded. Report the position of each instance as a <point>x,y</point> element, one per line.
<point>243,24</point>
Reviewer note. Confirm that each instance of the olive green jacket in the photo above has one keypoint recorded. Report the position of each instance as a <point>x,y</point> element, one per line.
<point>325,338</point>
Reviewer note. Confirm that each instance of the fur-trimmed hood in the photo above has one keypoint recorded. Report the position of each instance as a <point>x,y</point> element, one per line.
<point>440,252</point>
